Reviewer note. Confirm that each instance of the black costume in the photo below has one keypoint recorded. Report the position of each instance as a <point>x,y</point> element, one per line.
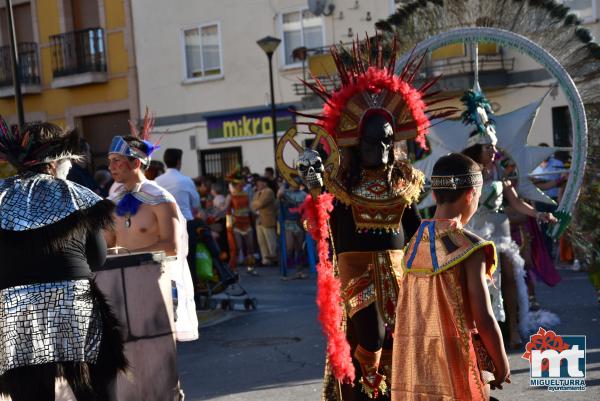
<point>54,322</point>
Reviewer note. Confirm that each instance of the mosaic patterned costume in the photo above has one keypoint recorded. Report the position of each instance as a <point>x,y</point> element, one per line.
<point>434,318</point>
<point>52,316</point>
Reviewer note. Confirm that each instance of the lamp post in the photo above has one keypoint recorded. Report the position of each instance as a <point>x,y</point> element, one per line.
<point>269,45</point>
<point>14,58</point>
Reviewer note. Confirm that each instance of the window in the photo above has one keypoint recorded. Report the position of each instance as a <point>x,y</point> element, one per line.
<point>219,162</point>
<point>561,126</point>
<point>202,47</point>
<point>584,9</point>
<point>393,6</point>
<point>23,24</point>
<point>300,28</point>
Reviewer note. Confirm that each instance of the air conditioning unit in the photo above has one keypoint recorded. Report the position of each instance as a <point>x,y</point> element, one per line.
<point>321,7</point>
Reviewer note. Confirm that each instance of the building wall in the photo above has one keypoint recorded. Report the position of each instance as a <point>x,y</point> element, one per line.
<point>181,106</point>
<point>64,106</point>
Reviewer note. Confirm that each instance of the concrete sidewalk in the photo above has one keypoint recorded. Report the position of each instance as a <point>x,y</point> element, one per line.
<point>273,353</point>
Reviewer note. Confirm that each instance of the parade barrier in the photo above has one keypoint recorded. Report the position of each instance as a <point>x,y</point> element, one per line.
<point>139,290</point>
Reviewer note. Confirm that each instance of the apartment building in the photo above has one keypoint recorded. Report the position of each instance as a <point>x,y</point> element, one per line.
<point>77,67</point>
<point>202,73</point>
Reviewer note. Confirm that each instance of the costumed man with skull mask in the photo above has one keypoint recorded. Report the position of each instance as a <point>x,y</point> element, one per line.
<point>357,156</point>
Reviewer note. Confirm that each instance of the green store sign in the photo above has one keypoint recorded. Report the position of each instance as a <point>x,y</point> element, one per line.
<point>251,125</point>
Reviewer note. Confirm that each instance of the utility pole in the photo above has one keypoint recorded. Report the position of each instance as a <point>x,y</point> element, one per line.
<point>14,58</point>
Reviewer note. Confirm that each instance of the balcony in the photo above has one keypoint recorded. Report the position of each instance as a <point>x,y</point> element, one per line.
<point>457,72</point>
<point>78,58</point>
<point>316,62</point>
<point>29,71</point>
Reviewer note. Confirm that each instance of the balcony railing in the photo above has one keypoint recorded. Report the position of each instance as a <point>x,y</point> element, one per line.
<point>329,79</point>
<point>330,83</point>
<point>494,62</point>
<point>449,68</point>
<point>29,71</point>
<point>78,52</point>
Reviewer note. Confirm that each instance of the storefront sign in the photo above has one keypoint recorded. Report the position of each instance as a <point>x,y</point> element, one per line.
<point>244,126</point>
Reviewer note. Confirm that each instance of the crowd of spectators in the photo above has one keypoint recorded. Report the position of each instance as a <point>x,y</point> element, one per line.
<point>211,206</point>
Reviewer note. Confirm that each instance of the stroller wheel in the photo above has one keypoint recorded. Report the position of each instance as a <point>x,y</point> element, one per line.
<point>250,303</point>
<point>226,304</point>
<point>204,303</point>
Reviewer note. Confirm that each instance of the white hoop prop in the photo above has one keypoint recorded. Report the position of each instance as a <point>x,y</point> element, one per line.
<point>556,70</point>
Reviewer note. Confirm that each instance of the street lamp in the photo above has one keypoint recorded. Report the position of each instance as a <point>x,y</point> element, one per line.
<point>269,45</point>
<point>14,59</point>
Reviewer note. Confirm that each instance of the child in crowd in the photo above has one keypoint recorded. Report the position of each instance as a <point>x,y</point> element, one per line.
<point>216,215</point>
<point>447,343</point>
<point>291,199</point>
<point>239,224</point>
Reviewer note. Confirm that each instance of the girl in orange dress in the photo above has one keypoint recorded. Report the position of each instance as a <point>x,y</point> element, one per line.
<point>239,223</point>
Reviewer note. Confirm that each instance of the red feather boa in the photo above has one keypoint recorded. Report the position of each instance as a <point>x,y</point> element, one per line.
<point>329,299</point>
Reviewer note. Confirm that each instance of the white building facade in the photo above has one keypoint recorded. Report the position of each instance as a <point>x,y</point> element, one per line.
<point>202,73</point>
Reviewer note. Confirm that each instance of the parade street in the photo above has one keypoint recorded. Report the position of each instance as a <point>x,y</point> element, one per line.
<point>277,351</point>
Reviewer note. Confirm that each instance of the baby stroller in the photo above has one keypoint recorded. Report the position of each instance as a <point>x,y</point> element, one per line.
<point>214,277</point>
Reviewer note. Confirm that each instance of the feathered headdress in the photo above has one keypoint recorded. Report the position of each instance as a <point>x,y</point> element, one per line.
<point>120,145</point>
<point>370,86</point>
<point>235,176</point>
<point>478,112</point>
<point>22,151</point>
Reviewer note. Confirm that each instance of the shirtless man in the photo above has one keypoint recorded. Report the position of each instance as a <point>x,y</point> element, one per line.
<point>147,219</point>
<point>153,226</point>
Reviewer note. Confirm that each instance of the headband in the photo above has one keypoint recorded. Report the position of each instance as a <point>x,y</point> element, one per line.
<point>454,182</point>
<point>120,146</point>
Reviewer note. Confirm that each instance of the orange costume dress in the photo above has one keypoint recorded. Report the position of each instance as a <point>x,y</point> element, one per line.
<point>239,229</point>
<point>437,352</point>
<point>240,204</point>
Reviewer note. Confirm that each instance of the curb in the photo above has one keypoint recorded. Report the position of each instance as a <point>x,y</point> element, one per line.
<point>213,317</point>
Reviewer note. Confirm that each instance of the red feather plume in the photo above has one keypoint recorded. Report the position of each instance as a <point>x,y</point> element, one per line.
<point>371,74</point>
<point>329,299</point>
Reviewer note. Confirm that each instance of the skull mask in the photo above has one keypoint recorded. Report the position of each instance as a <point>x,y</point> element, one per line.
<point>310,167</point>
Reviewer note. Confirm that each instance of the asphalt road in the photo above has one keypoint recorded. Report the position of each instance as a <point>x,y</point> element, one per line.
<point>276,352</point>
<point>273,353</point>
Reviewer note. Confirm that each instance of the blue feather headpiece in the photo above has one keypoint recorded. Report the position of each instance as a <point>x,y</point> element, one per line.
<point>121,146</point>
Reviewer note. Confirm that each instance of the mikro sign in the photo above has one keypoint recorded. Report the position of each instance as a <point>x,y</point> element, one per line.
<point>250,125</point>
